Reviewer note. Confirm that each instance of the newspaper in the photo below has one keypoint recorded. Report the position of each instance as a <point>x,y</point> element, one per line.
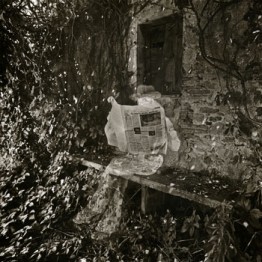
<point>137,129</point>
<point>143,132</point>
<point>144,165</point>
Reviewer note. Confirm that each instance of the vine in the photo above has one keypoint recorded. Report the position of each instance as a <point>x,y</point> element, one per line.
<point>207,16</point>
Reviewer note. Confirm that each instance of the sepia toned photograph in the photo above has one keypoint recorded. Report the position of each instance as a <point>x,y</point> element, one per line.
<point>131,130</point>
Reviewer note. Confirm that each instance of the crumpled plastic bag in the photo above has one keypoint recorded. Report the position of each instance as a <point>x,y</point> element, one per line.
<point>172,138</point>
<point>142,128</point>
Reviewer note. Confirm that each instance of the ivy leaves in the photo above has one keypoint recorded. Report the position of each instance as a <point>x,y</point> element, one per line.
<point>34,204</point>
<point>191,224</point>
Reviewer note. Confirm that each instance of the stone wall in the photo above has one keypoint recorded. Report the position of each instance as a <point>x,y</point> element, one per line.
<point>206,128</point>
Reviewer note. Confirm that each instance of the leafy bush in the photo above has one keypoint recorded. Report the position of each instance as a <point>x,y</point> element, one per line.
<point>36,205</point>
<point>220,245</point>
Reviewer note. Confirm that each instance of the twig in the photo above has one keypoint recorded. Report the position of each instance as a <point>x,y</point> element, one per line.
<point>62,232</point>
<point>122,242</point>
<point>133,195</point>
<point>197,251</point>
<point>250,241</point>
<point>185,240</point>
<point>222,65</point>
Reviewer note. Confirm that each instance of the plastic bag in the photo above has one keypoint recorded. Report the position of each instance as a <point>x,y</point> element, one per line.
<point>140,129</point>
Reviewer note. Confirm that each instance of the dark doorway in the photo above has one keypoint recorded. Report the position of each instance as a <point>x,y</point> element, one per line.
<point>159,54</point>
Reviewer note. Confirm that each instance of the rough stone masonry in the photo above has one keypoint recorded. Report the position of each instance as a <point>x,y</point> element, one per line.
<point>201,123</point>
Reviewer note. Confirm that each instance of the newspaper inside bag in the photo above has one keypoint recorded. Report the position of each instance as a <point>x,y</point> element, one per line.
<point>137,129</point>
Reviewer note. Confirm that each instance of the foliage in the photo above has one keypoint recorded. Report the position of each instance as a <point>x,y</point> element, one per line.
<point>151,237</point>
<point>236,234</point>
<point>37,208</point>
<point>237,61</point>
<point>248,219</point>
<point>36,203</point>
<point>53,103</point>
<point>191,224</point>
<point>237,41</point>
<point>221,245</point>
<point>44,79</point>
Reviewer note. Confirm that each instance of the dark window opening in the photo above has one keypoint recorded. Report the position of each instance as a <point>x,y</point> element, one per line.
<point>159,56</point>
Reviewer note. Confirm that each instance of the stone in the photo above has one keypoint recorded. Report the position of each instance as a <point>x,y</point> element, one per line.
<point>198,91</point>
<point>200,128</point>
<point>105,206</point>
<point>228,139</point>
<point>198,118</point>
<point>208,160</point>
<point>259,111</point>
<point>217,128</point>
<point>241,141</point>
<point>208,110</point>
<point>214,118</point>
<point>187,130</point>
<point>209,85</point>
<point>198,115</point>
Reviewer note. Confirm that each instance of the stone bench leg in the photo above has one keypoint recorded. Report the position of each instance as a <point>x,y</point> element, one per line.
<point>144,197</point>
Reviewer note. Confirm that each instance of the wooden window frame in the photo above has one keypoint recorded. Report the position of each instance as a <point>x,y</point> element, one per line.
<point>144,70</point>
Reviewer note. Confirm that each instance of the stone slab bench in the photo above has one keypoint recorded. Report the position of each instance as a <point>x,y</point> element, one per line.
<point>201,188</point>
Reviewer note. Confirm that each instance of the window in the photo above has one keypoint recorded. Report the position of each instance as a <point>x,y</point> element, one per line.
<point>159,56</point>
